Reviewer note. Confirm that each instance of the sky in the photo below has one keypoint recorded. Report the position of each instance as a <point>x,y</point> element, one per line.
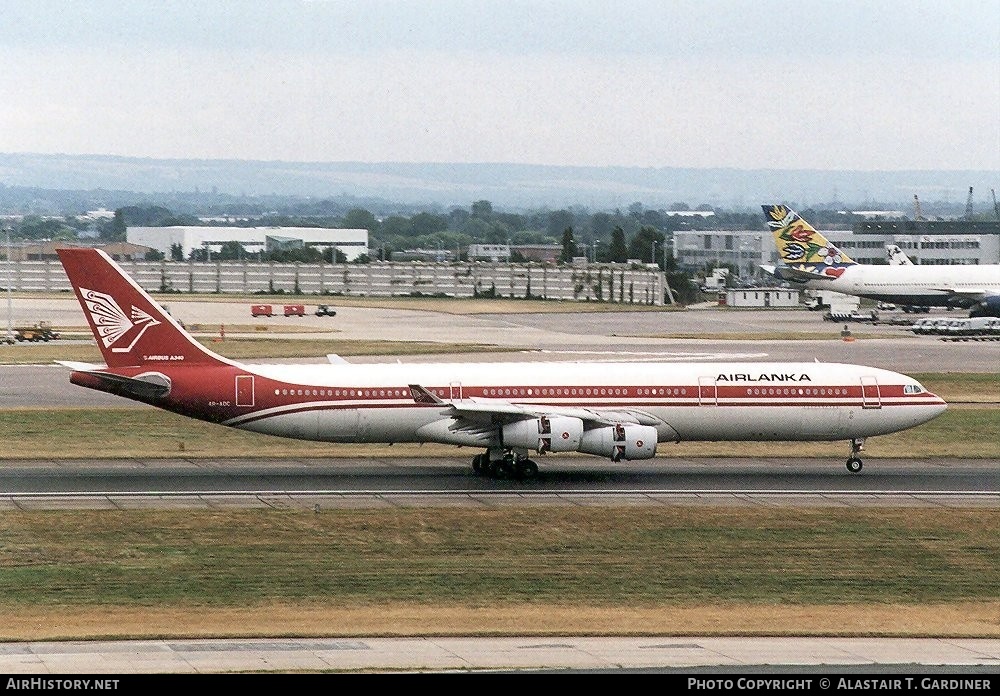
<point>755,84</point>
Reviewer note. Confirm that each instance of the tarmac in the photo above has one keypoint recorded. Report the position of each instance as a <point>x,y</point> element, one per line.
<point>429,654</point>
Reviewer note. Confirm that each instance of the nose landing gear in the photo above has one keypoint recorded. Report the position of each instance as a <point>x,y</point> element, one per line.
<point>854,463</point>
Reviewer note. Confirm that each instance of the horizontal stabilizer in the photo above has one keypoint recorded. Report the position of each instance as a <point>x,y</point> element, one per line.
<point>800,274</point>
<point>81,366</point>
<point>146,388</point>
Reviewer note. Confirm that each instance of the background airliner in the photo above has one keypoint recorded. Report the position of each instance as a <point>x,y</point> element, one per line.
<point>621,411</point>
<point>812,261</point>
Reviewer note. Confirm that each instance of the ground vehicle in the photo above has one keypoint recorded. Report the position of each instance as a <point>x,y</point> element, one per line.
<point>716,281</point>
<point>851,316</point>
<point>325,311</point>
<point>295,310</point>
<point>922,327</point>
<point>261,310</point>
<point>42,331</point>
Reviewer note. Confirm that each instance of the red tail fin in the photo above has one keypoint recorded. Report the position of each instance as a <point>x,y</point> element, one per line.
<point>130,327</point>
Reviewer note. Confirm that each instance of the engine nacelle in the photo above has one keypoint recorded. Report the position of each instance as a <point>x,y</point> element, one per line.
<point>990,307</point>
<point>621,441</point>
<point>545,434</point>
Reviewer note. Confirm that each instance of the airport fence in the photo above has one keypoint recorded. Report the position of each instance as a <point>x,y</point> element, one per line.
<point>621,283</point>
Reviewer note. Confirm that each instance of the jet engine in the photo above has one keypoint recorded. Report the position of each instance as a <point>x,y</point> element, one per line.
<point>989,307</point>
<point>545,434</point>
<point>621,441</point>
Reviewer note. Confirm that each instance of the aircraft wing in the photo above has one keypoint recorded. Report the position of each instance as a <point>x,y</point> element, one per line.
<point>477,410</point>
<point>974,294</point>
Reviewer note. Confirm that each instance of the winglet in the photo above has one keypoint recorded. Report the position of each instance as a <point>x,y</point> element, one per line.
<point>422,396</point>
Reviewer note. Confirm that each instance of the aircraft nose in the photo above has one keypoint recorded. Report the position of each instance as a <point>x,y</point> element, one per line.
<point>937,405</point>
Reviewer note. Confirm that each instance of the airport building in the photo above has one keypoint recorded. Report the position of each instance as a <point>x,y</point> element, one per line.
<point>926,242</point>
<point>352,243</point>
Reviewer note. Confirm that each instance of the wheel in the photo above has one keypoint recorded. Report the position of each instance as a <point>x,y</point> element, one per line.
<point>477,463</point>
<point>854,465</point>
<point>489,467</point>
<point>527,469</point>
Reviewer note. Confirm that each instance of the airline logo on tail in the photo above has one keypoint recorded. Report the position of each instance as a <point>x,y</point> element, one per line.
<point>802,247</point>
<point>111,323</point>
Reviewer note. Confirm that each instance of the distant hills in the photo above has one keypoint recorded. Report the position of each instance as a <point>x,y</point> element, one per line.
<point>509,186</point>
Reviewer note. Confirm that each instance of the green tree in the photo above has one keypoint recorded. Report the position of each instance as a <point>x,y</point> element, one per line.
<point>647,244</point>
<point>617,252</point>
<point>568,246</point>
<point>482,210</point>
<point>423,224</point>
<point>558,221</point>
<point>117,231</point>
<point>360,219</point>
<point>230,251</point>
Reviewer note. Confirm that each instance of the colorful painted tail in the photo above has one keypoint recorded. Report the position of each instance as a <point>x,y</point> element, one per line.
<point>802,247</point>
<point>131,329</point>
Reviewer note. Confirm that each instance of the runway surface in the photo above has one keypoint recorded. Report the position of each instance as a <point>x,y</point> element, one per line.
<point>402,482</point>
<point>965,658</point>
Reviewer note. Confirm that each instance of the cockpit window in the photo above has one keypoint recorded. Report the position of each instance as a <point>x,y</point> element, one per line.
<point>913,389</point>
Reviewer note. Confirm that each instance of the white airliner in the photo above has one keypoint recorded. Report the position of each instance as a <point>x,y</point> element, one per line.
<point>811,261</point>
<point>621,411</point>
<point>896,256</point>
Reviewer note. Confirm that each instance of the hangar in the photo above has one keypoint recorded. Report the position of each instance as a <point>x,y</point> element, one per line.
<point>351,242</point>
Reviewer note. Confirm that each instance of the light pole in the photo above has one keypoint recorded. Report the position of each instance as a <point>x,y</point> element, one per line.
<point>652,255</point>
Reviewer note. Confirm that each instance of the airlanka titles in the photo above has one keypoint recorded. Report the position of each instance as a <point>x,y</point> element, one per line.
<point>764,377</point>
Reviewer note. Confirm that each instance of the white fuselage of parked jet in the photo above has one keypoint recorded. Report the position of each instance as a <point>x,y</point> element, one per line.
<point>944,285</point>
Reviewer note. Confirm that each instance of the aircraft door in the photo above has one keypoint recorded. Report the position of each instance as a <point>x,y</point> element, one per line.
<point>871,395</point>
<point>244,390</point>
<point>708,392</point>
<point>456,390</point>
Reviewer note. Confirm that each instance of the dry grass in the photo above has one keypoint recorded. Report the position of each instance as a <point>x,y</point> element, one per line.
<point>963,619</point>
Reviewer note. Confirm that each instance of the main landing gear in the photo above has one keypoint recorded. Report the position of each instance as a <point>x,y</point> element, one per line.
<point>510,464</point>
<point>854,463</point>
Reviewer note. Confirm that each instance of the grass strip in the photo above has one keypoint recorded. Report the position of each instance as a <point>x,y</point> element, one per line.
<point>145,432</point>
<point>626,565</point>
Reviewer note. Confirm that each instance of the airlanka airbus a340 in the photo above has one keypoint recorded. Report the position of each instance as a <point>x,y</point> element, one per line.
<point>621,411</point>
